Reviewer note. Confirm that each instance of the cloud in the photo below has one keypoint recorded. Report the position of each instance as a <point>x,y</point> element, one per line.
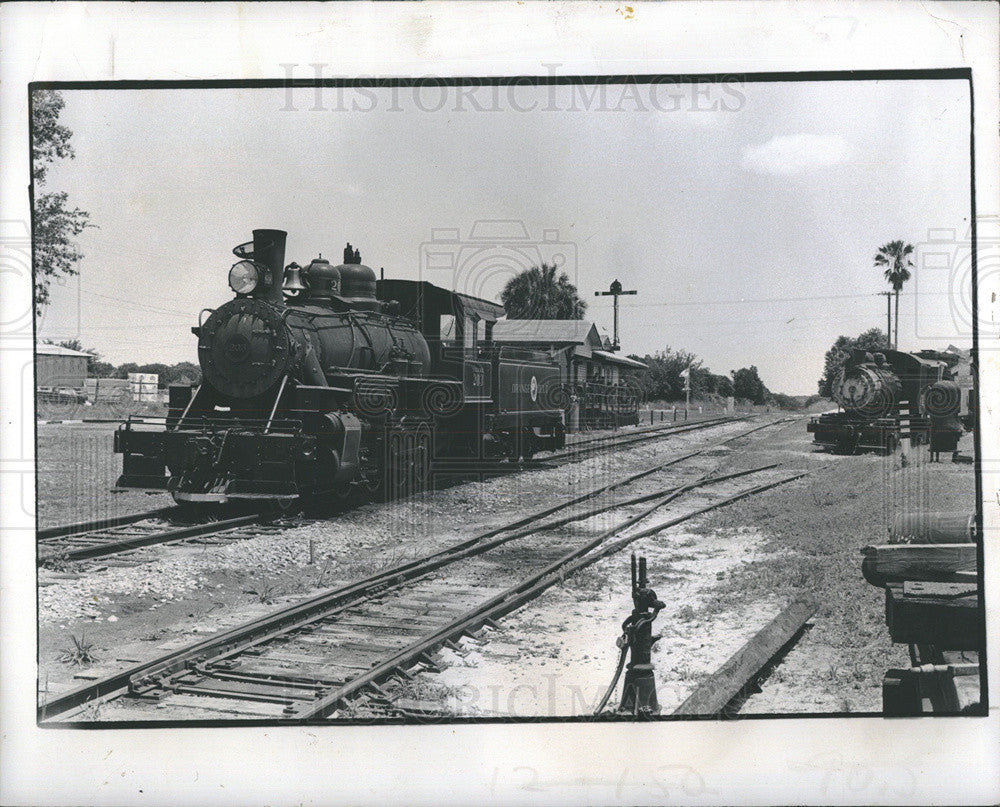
<point>792,154</point>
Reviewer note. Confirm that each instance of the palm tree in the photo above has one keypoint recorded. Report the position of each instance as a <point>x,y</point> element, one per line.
<point>542,292</point>
<point>894,257</point>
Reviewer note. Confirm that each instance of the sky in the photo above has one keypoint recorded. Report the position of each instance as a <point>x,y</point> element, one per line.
<point>745,215</point>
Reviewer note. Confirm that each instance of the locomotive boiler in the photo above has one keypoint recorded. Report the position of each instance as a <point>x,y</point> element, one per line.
<point>320,379</point>
<point>883,396</point>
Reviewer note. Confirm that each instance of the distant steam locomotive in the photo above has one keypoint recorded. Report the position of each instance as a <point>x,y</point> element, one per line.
<point>881,394</point>
<point>322,380</point>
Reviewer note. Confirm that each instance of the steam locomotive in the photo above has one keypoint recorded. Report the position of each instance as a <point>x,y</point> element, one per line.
<point>885,395</point>
<point>322,380</point>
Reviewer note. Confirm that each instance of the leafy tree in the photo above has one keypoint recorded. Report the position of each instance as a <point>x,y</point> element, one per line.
<point>705,383</point>
<point>184,372</point>
<point>124,369</point>
<point>872,339</point>
<point>724,386</point>
<point>181,373</point>
<point>542,293</point>
<point>894,259</point>
<point>101,369</point>
<point>787,401</point>
<point>69,344</point>
<point>55,223</point>
<point>662,379</point>
<point>157,369</point>
<point>748,385</point>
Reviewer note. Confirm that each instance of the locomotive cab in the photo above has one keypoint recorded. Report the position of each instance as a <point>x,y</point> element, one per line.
<point>514,398</point>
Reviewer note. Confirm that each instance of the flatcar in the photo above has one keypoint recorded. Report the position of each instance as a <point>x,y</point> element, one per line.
<point>320,380</point>
<point>884,396</point>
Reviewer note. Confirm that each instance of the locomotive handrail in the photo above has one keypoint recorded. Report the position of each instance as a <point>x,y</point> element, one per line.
<point>244,250</point>
<point>194,394</point>
<point>243,424</point>
<point>277,401</point>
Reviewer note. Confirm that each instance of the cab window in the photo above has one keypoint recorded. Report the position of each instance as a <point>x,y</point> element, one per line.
<point>447,330</point>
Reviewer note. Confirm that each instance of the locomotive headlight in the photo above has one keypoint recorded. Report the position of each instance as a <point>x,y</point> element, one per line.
<point>244,277</point>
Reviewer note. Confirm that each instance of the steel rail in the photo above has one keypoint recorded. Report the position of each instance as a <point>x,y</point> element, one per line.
<point>661,432</point>
<point>578,450</point>
<point>668,427</point>
<point>301,613</point>
<point>664,496</point>
<point>511,599</point>
<point>67,530</point>
<point>324,603</point>
<point>112,547</point>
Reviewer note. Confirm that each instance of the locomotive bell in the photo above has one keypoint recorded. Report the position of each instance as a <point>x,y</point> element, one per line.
<point>292,284</point>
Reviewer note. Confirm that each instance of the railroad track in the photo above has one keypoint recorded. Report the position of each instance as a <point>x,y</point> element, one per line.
<point>57,546</point>
<point>94,540</point>
<point>320,657</point>
<point>582,448</point>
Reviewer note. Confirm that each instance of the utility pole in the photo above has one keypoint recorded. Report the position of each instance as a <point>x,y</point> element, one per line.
<point>888,318</point>
<point>615,291</point>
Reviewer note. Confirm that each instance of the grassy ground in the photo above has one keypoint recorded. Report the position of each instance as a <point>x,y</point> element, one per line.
<point>77,468</point>
<point>101,411</point>
<point>815,532</point>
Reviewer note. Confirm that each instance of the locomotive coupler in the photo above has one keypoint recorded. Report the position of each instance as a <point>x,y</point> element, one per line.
<point>639,690</point>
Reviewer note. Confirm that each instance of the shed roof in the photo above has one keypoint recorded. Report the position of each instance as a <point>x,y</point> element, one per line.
<point>43,349</point>
<point>547,331</point>
<point>613,358</point>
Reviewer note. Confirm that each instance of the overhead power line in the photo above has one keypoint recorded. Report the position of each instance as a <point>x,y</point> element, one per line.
<point>779,299</point>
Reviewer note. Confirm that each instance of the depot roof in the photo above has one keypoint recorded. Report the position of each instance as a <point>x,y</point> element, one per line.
<point>614,358</point>
<point>43,349</point>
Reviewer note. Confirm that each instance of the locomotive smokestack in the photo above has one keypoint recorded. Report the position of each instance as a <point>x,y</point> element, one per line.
<point>269,252</point>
